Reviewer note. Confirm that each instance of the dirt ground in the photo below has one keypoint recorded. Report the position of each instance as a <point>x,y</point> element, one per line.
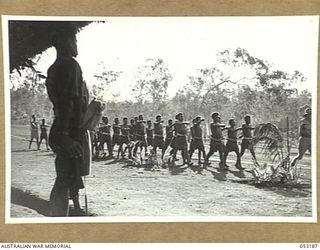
<point>116,188</point>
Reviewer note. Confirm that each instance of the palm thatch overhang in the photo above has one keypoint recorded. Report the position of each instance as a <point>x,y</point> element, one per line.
<point>29,38</point>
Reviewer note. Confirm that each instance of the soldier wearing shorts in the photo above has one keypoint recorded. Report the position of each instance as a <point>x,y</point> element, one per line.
<point>305,137</point>
<point>158,134</point>
<point>104,136</point>
<point>44,133</point>
<point>116,133</point>
<point>231,145</point>
<point>132,130</point>
<point>169,136</point>
<point>140,136</point>
<point>94,135</point>
<point>216,143</point>
<point>125,138</point>
<point>196,139</point>
<point>34,131</point>
<point>149,132</point>
<point>247,137</point>
<point>180,141</point>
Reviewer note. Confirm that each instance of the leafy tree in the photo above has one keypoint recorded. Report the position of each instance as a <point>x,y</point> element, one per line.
<point>152,84</point>
<point>29,96</point>
<point>104,77</point>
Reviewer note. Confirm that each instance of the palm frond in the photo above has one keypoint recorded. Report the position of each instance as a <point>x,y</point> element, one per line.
<point>269,137</point>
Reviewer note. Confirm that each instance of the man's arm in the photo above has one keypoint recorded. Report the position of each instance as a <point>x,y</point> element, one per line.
<point>218,125</point>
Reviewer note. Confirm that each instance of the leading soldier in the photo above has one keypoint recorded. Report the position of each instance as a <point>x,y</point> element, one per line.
<point>305,137</point>
<point>247,137</point>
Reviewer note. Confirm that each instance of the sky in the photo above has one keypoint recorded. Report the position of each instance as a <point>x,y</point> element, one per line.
<point>190,43</point>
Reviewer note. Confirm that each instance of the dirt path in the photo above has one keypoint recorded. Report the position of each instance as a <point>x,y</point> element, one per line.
<point>118,189</point>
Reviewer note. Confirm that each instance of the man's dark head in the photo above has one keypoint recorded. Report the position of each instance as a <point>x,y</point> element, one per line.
<point>232,122</point>
<point>216,116</point>
<point>65,43</point>
<point>141,117</point>
<point>132,121</point>
<point>199,119</point>
<point>33,117</point>
<point>125,120</point>
<point>179,116</point>
<point>307,114</point>
<point>105,119</point>
<point>158,118</point>
<point>247,119</point>
<point>116,120</point>
<point>170,122</point>
<point>43,121</point>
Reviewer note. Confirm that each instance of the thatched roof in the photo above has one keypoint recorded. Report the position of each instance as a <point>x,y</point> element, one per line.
<point>29,38</point>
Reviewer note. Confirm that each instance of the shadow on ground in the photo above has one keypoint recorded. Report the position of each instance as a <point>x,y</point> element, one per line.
<point>284,189</point>
<point>29,200</point>
<point>219,174</point>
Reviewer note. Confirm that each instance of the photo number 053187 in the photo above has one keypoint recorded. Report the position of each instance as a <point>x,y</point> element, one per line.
<point>160,119</point>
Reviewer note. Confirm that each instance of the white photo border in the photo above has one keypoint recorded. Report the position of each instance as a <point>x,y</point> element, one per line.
<point>125,219</point>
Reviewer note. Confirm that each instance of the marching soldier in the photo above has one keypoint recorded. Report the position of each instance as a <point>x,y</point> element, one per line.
<point>158,134</point>
<point>149,132</point>
<point>247,137</point>
<point>105,136</point>
<point>44,133</point>
<point>125,138</point>
<point>132,130</point>
<point>116,133</point>
<point>196,139</point>
<point>169,137</point>
<point>140,136</point>
<point>305,137</point>
<point>231,145</point>
<point>34,131</point>
<point>180,141</point>
<point>216,143</point>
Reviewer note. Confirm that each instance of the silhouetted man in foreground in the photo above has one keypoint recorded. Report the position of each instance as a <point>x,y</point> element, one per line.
<point>69,96</point>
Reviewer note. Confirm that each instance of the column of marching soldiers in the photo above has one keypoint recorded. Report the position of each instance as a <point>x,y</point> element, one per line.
<point>137,136</point>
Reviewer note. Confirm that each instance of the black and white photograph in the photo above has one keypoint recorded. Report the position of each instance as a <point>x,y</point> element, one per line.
<point>160,119</point>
